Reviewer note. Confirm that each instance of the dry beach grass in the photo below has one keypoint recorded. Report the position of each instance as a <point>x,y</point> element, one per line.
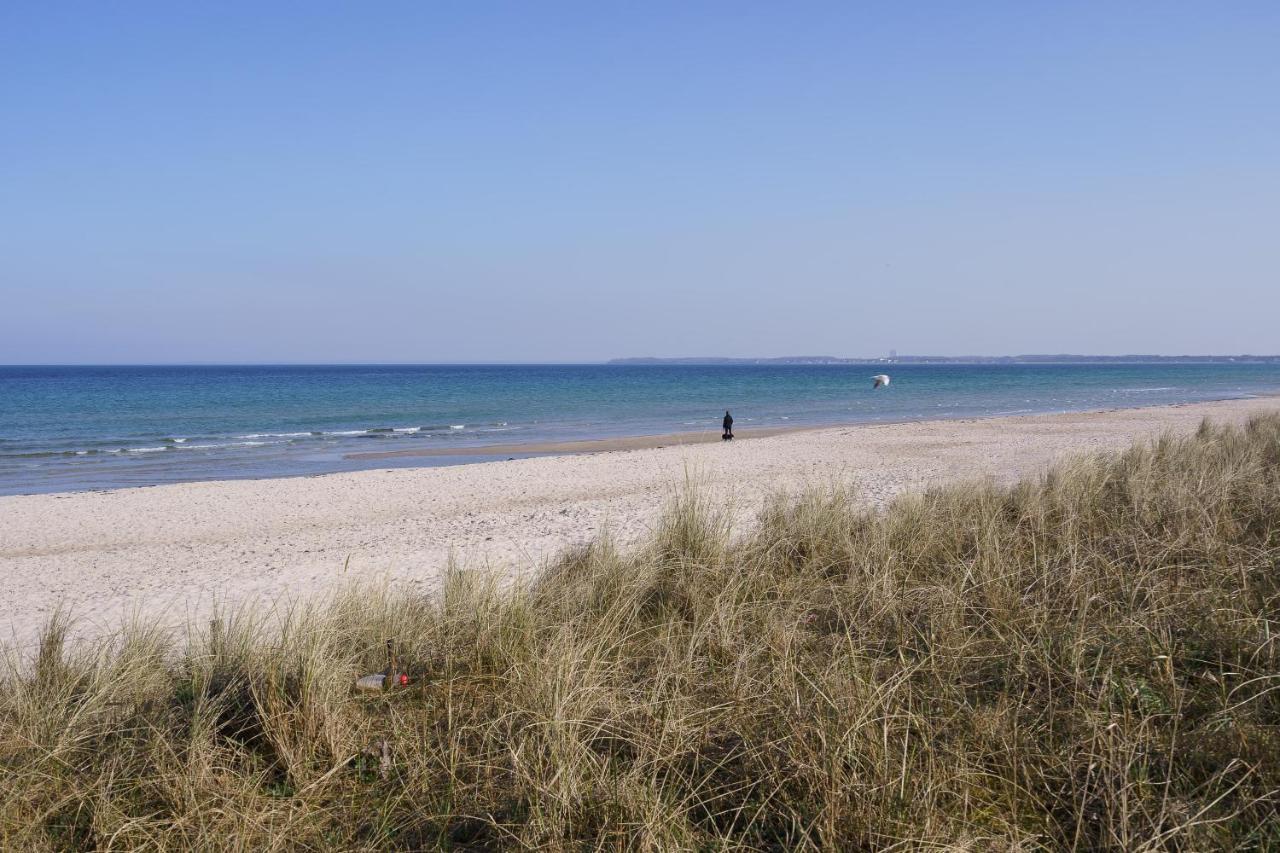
<point>1086,659</point>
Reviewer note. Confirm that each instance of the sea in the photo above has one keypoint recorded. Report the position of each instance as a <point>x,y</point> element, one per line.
<point>77,428</point>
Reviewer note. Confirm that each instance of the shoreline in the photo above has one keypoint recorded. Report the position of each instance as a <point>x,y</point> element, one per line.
<point>658,441</point>
<point>590,445</point>
<point>308,462</point>
<point>178,551</point>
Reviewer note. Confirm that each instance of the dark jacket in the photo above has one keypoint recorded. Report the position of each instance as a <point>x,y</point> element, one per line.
<point>728,421</point>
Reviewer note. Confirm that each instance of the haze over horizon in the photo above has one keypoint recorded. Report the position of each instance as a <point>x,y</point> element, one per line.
<point>571,183</point>
<point>900,357</point>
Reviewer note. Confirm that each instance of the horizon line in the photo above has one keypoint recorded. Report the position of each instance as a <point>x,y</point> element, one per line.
<point>608,361</point>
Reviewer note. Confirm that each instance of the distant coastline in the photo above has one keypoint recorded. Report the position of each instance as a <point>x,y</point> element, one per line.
<point>963,359</point>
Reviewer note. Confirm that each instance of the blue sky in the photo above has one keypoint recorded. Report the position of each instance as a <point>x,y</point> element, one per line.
<point>555,181</point>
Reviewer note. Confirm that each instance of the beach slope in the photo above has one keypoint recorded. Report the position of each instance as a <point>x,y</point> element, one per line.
<point>173,551</point>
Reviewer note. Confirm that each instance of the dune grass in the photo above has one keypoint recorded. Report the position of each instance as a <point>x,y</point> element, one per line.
<point>1088,660</point>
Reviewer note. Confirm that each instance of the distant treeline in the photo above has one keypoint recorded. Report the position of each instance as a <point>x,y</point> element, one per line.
<point>970,359</point>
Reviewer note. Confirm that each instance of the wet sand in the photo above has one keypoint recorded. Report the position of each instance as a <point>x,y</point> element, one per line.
<point>597,445</point>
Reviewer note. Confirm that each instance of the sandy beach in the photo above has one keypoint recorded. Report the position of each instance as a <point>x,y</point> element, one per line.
<point>170,552</point>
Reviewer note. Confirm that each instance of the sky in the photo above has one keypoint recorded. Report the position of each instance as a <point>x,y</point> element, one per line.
<point>474,181</point>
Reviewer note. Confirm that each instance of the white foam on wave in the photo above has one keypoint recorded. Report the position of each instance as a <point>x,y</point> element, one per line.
<point>457,426</point>
<point>407,430</point>
<point>227,444</point>
<point>274,435</point>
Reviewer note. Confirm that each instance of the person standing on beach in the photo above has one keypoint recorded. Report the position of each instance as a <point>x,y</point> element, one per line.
<point>728,427</point>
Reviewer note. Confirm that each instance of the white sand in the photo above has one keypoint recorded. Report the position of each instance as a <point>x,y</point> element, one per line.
<point>170,551</point>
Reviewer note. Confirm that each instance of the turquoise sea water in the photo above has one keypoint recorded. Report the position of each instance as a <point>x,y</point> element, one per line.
<point>65,428</point>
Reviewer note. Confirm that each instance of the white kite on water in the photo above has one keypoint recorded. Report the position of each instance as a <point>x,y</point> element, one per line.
<point>880,380</point>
